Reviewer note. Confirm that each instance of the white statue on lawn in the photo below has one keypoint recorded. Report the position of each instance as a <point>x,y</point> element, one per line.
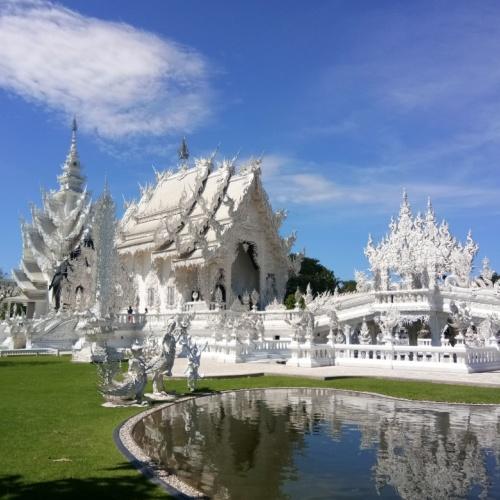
<point>131,388</point>
<point>160,358</point>
<point>194,360</point>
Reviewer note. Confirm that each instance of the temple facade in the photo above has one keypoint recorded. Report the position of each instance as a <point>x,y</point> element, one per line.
<point>205,234</point>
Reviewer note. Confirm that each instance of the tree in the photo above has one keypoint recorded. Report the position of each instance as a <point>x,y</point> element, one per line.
<point>347,286</point>
<point>321,278</point>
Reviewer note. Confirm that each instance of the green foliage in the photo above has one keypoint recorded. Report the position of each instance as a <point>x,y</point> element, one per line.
<point>311,271</point>
<point>290,302</point>
<point>321,279</point>
<point>347,286</point>
<point>495,277</point>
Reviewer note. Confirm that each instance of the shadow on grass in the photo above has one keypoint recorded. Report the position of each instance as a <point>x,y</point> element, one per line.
<point>9,363</point>
<point>202,391</point>
<point>13,487</point>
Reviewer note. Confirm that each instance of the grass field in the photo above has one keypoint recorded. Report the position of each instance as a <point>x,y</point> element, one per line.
<point>56,439</point>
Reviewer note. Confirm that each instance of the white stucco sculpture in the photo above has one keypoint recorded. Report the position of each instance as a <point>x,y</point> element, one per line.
<point>160,358</point>
<point>131,388</point>
<point>194,360</point>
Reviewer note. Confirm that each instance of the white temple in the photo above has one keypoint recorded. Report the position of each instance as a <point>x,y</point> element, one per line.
<point>204,241</point>
<point>205,234</point>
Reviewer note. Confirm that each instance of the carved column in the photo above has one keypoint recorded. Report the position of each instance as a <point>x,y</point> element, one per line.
<point>347,334</point>
<point>437,321</point>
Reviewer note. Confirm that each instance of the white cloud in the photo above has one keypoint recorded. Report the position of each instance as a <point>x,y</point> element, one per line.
<point>119,80</point>
<point>291,181</point>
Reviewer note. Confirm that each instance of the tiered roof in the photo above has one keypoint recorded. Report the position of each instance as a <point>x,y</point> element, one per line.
<point>55,229</point>
<point>188,214</point>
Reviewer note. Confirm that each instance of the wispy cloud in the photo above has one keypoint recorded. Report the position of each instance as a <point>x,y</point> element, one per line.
<point>292,181</point>
<point>119,80</point>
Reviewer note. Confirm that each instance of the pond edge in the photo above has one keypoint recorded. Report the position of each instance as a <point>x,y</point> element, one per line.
<point>170,482</point>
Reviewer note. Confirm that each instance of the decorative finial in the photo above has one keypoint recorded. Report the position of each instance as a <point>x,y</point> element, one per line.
<point>183,151</point>
<point>405,205</point>
<point>106,185</point>
<point>74,128</point>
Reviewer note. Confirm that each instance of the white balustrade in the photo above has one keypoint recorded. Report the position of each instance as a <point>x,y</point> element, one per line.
<point>425,357</point>
<point>28,352</point>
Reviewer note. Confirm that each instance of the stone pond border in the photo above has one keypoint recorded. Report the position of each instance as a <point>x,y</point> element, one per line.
<point>177,488</point>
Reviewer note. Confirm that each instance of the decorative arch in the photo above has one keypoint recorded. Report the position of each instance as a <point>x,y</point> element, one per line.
<point>245,269</point>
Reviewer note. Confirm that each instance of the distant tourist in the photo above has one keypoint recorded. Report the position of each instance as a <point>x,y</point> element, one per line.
<point>130,311</point>
<point>146,310</point>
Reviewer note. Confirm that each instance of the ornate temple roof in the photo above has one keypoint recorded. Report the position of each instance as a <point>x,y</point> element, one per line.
<point>56,227</point>
<point>187,214</point>
<point>418,249</point>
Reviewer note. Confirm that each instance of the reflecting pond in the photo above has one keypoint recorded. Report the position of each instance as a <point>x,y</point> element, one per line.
<point>320,443</point>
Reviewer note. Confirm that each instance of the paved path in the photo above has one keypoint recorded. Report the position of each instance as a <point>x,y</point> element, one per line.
<point>211,368</point>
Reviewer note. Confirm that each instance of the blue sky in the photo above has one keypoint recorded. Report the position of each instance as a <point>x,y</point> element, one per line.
<point>349,101</point>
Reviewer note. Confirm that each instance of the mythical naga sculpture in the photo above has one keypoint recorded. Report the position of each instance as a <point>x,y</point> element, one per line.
<point>131,388</point>
<point>160,359</point>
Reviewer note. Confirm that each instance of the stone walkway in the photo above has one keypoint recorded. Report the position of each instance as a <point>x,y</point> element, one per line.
<point>211,368</point>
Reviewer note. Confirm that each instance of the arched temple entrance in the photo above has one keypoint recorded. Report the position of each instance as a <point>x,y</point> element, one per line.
<point>245,272</point>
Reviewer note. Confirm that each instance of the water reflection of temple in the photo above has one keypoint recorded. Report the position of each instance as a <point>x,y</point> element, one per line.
<point>227,443</point>
<point>249,441</point>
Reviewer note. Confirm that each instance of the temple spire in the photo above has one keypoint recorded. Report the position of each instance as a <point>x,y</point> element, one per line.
<point>74,128</point>
<point>183,151</point>
<point>73,151</point>
<point>430,216</point>
<point>405,205</point>
<point>71,177</point>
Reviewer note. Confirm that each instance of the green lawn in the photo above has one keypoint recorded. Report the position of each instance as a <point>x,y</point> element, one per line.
<point>56,440</point>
